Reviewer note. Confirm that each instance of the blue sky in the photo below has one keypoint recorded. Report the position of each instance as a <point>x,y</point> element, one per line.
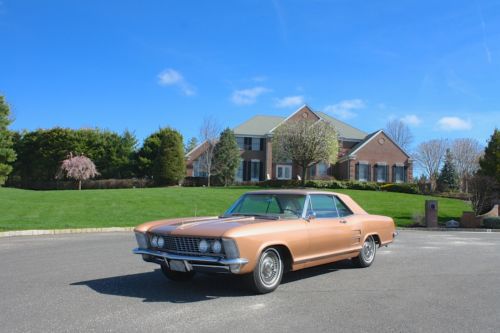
<point>141,65</point>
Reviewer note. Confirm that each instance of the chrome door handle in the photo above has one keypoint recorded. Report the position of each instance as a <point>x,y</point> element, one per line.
<point>343,221</point>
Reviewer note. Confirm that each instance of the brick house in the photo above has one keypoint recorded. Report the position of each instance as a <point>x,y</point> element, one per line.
<point>362,156</point>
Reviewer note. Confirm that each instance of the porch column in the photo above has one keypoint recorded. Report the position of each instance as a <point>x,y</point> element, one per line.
<point>269,158</point>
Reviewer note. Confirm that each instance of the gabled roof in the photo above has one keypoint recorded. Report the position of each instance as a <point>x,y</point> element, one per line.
<point>370,137</point>
<point>263,125</point>
<point>258,125</point>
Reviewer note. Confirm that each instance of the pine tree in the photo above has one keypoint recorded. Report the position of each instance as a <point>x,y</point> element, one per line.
<point>169,165</point>
<point>448,180</point>
<point>226,156</point>
<point>490,162</point>
<point>7,153</point>
<point>192,143</point>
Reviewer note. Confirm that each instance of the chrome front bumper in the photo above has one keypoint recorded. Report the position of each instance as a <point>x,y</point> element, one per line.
<point>210,264</point>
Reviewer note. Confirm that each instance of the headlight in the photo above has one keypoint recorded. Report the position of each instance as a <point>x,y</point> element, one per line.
<point>154,241</point>
<point>216,247</point>
<point>161,241</point>
<point>203,246</point>
<point>230,248</point>
<point>141,239</point>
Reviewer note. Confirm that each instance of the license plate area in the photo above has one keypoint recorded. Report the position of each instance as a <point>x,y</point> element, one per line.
<point>177,265</point>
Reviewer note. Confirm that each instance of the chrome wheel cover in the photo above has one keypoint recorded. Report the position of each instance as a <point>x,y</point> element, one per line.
<point>270,267</point>
<point>368,251</point>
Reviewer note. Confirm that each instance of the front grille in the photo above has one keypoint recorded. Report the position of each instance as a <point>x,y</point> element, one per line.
<point>186,245</point>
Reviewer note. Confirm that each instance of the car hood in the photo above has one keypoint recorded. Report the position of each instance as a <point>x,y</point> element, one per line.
<point>206,227</point>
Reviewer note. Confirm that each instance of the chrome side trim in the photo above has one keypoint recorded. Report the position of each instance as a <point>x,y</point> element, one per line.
<point>326,256</point>
<point>209,260</point>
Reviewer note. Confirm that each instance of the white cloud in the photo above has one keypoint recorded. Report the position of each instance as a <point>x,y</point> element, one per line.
<point>171,77</point>
<point>454,124</point>
<point>344,108</point>
<point>248,96</point>
<point>289,101</point>
<point>411,119</point>
<point>260,78</point>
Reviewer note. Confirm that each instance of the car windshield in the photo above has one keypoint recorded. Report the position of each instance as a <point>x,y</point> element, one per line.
<point>268,205</point>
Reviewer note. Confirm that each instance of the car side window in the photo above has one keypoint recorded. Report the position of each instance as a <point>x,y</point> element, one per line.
<point>342,208</point>
<point>323,206</point>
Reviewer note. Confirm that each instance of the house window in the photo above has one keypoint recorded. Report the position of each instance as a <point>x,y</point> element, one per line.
<point>198,169</point>
<point>363,172</point>
<point>255,170</point>
<point>283,171</point>
<point>241,142</point>
<point>256,144</point>
<point>322,169</point>
<point>399,173</point>
<point>239,172</point>
<point>381,173</point>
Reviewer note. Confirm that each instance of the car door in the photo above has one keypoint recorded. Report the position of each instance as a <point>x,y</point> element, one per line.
<point>329,232</point>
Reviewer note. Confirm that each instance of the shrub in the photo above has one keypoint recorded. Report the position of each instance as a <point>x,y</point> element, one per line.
<point>492,222</point>
<point>401,188</point>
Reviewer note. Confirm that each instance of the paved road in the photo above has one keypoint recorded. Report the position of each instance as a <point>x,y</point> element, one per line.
<point>425,282</point>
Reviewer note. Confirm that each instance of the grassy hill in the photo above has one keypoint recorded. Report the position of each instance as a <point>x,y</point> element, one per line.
<point>23,209</point>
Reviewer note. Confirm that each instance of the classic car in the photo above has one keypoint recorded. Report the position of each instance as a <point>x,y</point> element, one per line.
<point>265,234</point>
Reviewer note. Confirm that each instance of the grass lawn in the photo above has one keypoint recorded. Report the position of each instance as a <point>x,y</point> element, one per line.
<point>24,209</point>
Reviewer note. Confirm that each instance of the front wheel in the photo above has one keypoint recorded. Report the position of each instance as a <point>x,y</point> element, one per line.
<point>367,254</point>
<point>267,275</point>
<point>176,276</point>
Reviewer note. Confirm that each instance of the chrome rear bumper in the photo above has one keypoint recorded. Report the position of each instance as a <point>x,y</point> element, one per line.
<point>206,263</point>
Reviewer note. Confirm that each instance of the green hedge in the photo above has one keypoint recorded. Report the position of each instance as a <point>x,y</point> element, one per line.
<point>492,222</point>
<point>337,184</point>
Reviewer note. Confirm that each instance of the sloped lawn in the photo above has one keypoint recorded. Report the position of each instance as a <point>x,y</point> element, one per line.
<point>23,209</point>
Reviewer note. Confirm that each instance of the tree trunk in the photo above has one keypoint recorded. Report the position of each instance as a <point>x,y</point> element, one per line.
<point>304,172</point>
<point>208,179</point>
<point>79,185</point>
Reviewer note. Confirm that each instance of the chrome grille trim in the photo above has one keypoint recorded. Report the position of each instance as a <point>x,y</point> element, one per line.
<point>186,245</point>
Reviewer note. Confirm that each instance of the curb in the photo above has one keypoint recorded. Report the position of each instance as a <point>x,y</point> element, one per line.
<point>16,233</point>
<point>449,229</point>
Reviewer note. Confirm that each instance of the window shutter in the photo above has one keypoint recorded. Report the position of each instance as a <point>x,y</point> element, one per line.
<point>261,168</point>
<point>386,173</point>
<point>369,172</point>
<point>375,178</point>
<point>356,172</point>
<point>262,144</point>
<point>245,171</point>
<point>394,173</point>
<point>405,171</point>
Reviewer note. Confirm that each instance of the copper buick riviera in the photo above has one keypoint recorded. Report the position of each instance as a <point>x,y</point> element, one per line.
<point>265,234</point>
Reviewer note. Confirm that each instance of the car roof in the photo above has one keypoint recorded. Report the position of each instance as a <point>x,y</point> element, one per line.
<point>353,205</point>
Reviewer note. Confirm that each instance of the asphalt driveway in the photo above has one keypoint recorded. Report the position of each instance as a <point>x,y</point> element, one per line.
<point>425,282</point>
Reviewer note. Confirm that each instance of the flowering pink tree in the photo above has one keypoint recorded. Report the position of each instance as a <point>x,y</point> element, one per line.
<point>77,167</point>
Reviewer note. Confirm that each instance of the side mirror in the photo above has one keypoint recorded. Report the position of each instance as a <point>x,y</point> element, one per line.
<point>311,215</point>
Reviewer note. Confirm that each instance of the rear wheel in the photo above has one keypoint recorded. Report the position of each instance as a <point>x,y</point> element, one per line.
<point>367,254</point>
<point>267,275</point>
<point>176,276</point>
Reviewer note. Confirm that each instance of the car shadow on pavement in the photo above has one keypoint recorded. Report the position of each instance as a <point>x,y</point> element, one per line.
<point>154,287</point>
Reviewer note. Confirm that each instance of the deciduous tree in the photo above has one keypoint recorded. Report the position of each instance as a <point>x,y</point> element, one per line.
<point>400,133</point>
<point>466,153</point>
<point>209,133</point>
<point>226,156</point>
<point>77,167</point>
<point>430,155</point>
<point>305,143</point>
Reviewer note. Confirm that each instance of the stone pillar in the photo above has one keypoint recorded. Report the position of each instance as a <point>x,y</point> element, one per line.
<point>431,213</point>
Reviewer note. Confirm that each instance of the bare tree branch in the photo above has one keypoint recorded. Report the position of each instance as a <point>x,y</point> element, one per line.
<point>400,133</point>
<point>430,155</point>
<point>209,134</point>
<point>466,153</point>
